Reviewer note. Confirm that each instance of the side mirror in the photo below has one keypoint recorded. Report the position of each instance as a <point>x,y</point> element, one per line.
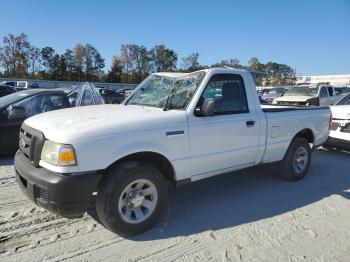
<point>207,108</point>
<point>16,112</point>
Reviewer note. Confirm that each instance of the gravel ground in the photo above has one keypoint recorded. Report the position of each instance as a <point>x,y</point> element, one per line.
<point>250,215</point>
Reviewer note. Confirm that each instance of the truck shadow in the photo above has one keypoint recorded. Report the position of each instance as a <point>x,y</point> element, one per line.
<point>250,195</point>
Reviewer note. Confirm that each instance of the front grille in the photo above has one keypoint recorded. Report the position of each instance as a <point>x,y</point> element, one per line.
<point>40,194</point>
<point>31,142</point>
<point>43,195</point>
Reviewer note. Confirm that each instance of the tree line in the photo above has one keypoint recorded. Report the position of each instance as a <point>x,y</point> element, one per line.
<point>20,59</point>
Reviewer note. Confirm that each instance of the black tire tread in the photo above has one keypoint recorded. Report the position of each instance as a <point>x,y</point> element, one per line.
<point>113,182</point>
<point>286,166</point>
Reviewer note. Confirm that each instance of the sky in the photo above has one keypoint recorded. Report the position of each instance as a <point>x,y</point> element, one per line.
<point>312,36</point>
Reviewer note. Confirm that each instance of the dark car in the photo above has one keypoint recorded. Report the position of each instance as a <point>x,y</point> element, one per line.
<point>9,83</point>
<point>6,90</point>
<point>16,107</point>
<point>111,96</point>
<point>342,90</point>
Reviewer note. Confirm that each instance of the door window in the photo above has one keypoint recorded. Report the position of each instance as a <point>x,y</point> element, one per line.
<point>40,104</point>
<point>330,91</point>
<point>32,105</point>
<point>228,93</point>
<point>58,101</point>
<point>323,93</point>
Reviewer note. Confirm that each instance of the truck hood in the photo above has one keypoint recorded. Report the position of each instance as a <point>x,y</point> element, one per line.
<point>341,111</point>
<point>294,98</point>
<point>84,122</point>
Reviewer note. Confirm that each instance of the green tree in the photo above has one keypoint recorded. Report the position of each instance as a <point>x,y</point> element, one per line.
<point>279,74</point>
<point>116,72</point>
<point>94,63</point>
<point>190,62</point>
<point>79,54</point>
<point>254,64</point>
<point>47,57</point>
<point>163,59</point>
<point>70,65</point>
<point>142,62</point>
<point>231,62</point>
<point>135,63</point>
<point>13,55</point>
<point>34,59</point>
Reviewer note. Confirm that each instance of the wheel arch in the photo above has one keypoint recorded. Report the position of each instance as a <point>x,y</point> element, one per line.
<point>154,158</point>
<point>307,134</point>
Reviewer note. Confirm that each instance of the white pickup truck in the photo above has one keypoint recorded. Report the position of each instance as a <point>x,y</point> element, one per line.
<point>172,128</point>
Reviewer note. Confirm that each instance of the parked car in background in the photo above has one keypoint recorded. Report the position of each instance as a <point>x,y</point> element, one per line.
<point>341,90</point>
<point>6,90</point>
<point>34,85</point>
<point>9,83</point>
<point>21,85</point>
<point>273,93</point>
<point>16,107</point>
<point>119,159</point>
<point>340,129</point>
<point>309,96</point>
<point>111,96</point>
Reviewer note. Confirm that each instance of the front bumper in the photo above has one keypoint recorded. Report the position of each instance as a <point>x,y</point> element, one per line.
<point>341,143</point>
<point>69,195</point>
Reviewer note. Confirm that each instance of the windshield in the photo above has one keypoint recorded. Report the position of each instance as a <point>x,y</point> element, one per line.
<point>301,91</point>
<point>274,91</point>
<point>157,90</point>
<point>344,101</point>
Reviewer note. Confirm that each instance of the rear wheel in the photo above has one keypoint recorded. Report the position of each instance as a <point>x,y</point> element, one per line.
<point>131,198</point>
<point>296,161</point>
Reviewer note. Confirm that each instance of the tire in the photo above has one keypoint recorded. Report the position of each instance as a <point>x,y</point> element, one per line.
<point>292,169</point>
<point>126,207</point>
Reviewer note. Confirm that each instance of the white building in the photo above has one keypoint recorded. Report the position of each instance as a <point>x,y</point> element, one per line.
<point>335,80</point>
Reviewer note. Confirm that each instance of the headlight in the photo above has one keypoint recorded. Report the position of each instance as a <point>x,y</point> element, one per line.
<point>58,154</point>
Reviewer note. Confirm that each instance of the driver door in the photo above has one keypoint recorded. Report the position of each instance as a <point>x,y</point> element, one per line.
<point>228,139</point>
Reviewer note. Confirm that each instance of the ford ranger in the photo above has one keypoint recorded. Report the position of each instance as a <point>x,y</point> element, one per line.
<point>176,128</point>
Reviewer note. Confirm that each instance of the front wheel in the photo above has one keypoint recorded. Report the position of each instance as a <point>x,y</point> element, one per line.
<point>131,198</point>
<point>296,161</point>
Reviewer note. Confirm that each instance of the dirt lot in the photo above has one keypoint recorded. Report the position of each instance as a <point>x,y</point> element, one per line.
<point>250,216</point>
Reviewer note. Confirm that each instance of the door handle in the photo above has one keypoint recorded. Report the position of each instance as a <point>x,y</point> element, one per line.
<point>250,123</point>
